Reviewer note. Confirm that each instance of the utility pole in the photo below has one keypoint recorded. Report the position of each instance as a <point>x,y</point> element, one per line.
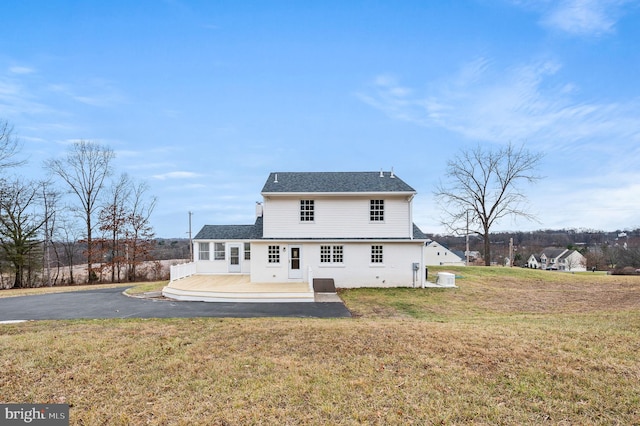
<point>466,253</point>
<point>511,252</point>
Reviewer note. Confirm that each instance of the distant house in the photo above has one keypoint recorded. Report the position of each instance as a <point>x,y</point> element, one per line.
<point>437,254</point>
<point>558,259</point>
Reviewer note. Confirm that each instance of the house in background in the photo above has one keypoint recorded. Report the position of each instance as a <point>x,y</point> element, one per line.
<point>355,228</point>
<point>559,259</point>
<point>437,254</point>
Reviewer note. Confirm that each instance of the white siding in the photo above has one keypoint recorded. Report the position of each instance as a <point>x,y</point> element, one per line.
<point>356,271</point>
<point>337,217</point>
<point>212,266</point>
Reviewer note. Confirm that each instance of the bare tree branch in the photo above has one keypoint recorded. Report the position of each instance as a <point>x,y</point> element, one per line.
<point>486,184</point>
<point>9,147</point>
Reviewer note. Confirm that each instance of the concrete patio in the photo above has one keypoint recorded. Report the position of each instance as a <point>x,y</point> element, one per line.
<point>238,288</point>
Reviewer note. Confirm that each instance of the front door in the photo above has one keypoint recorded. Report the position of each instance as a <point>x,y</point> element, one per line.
<point>234,258</point>
<point>295,262</point>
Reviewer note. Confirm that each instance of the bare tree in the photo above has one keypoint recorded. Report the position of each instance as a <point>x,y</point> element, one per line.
<point>67,235</point>
<point>482,188</point>
<point>140,232</point>
<point>50,199</point>
<point>113,218</point>
<point>84,170</point>
<point>9,146</point>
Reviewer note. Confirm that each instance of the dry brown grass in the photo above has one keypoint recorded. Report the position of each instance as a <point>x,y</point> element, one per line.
<point>475,355</point>
<point>13,292</point>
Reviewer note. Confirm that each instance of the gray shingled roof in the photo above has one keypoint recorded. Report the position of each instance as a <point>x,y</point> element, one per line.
<point>334,182</point>
<point>552,252</point>
<point>418,234</point>
<point>231,232</point>
<point>254,232</point>
<point>567,254</point>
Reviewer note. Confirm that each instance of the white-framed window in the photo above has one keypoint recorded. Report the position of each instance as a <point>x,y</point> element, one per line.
<point>273,254</point>
<point>325,254</point>
<point>376,210</point>
<point>331,254</point>
<point>338,254</point>
<point>218,251</point>
<point>307,210</point>
<point>247,251</point>
<point>203,251</point>
<point>376,254</point>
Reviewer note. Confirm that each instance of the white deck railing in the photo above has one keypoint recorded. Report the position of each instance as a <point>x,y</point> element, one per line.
<point>310,278</point>
<point>182,270</point>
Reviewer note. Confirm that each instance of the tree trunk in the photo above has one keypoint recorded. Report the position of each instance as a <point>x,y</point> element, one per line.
<point>17,282</point>
<point>487,248</point>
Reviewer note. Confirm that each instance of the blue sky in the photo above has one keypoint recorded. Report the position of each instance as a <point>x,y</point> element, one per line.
<point>202,99</point>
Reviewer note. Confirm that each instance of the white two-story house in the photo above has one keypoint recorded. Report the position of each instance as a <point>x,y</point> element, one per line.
<point>560,259</point>
<point>355,228</point>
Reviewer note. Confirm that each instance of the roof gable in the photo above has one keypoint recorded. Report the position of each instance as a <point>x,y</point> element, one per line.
<point>569,253</point>
<point>334,182</point>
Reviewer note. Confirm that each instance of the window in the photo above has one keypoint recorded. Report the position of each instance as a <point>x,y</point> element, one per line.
<point>273,254</point>
<point>325,254</point>
<point>306,210</point>
<point>247,251</point>
<point>331,254</point>
<point>218,252</point>
<point>337,254</point>
<point>376,212</point>
<point>203,251</point>
<point>376,254</point>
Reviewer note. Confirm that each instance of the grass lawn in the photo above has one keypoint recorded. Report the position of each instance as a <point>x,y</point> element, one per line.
<point>509,346</point>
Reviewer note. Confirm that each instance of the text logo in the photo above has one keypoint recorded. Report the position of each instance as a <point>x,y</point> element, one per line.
<point>34,414</point>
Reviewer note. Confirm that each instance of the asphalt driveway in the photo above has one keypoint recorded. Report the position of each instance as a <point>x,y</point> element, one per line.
<point>111,303</point>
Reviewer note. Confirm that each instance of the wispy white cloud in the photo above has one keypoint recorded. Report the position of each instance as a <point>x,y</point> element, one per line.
<point>98,93</point>
<point>21,70</point>
<point>524,102</point>
<point>579,17</point>
<point>17,99</point>
<point>176,175</point>
<point>25,92</point>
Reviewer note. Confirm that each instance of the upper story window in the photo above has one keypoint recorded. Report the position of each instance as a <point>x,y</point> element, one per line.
<point>203,251</point>
<point>307,210</point>
<point>376,211</point>
<point>218,253</point>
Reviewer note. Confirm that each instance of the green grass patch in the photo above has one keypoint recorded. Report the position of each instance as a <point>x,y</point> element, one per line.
<point>146,287</point>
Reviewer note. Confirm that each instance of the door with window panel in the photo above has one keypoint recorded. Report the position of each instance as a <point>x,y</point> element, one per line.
<point>234,258</point>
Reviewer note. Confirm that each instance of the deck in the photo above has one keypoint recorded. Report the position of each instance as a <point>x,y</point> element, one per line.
<point>236,288</point>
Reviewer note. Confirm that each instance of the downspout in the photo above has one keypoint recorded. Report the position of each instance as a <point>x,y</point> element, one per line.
<point>423,279</point>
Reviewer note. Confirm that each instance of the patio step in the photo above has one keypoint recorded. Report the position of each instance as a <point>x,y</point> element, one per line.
<point>230,296</point>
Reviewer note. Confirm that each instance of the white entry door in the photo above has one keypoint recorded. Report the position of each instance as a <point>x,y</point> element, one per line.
<point>295,262</point>
<point>234,258</point>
